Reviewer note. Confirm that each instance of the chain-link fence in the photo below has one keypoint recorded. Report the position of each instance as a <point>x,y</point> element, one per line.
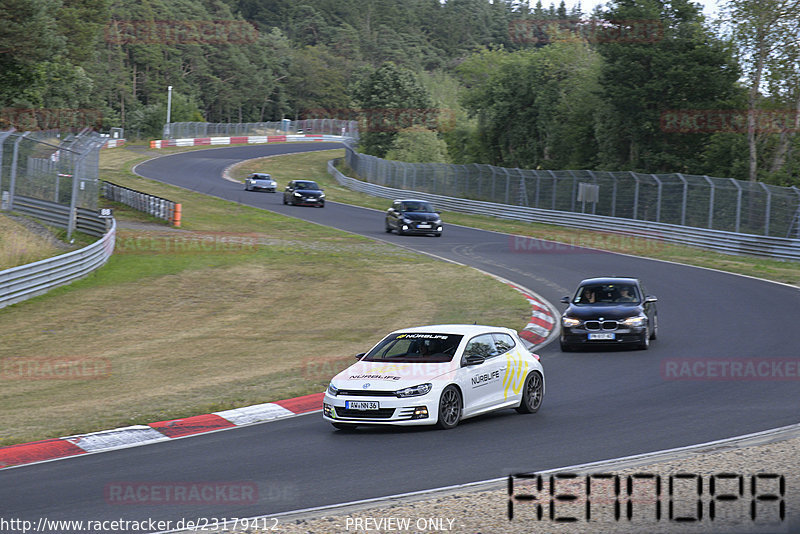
<point>682,199</point>
<point>184,130</point>
<point>47,166</point>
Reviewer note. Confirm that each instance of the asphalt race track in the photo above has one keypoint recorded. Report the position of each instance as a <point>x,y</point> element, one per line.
<point>599,405</point>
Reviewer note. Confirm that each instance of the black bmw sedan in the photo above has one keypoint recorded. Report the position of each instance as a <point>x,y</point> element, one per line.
<point>609,311</point>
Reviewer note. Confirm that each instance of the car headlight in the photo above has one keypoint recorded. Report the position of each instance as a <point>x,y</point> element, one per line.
<point>414,391</point>
<point>639,320</point>
<point>437,221</point>
<point>297,194</point>
<point>406,220</point>
<point>570,322</point>
<point>333,390</point>
<point>322,195</point>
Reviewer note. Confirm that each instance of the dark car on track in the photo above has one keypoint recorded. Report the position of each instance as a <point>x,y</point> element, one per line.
<point>411,216</point>
<point>304,193</point>
<point>260,181</point>
<point>609,311</point>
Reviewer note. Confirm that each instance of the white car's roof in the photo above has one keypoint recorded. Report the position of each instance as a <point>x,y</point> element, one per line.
<point>461,329</point>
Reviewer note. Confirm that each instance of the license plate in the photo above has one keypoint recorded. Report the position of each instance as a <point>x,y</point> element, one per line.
<point>361,405</point>
<point>423,226</point>
<point>601,336</point>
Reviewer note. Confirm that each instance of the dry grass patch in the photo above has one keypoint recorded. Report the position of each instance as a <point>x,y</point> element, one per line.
<point>19,245</point>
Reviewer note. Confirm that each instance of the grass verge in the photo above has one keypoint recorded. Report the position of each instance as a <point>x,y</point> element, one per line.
<point>240,306</point>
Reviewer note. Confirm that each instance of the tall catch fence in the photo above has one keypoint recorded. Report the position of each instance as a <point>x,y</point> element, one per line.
<point>183,130</point>
<point>682,199</point>
<point>51,167</point>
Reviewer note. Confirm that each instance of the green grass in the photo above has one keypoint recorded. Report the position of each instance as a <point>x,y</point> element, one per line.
<point>240,306</point>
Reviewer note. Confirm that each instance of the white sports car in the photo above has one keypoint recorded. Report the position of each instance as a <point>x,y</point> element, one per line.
<point>436,375</point>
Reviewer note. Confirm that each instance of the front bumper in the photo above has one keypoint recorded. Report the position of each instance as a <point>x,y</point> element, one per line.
<point>393,410</point>
<point>577,336</point>
<point>308,201</point>
<point>268,188</point>
<point>414,228</point>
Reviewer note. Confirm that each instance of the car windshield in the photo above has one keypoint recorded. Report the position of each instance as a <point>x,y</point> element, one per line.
<point>415,348</point>
<point>422,207</point>
<point>307,185</point>
<point>610,294</point>
<point>262,177</point>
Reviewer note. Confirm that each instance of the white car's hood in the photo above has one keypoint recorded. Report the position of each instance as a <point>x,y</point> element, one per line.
<point>382,376</point>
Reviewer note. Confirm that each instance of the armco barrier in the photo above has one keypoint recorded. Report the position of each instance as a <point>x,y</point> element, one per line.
<point>26,281</point>
<point>721,241</point>
<point>245,139</point>
<point>57,215</point>
<point>158,207</point>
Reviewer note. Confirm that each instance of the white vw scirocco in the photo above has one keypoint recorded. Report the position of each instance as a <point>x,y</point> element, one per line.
<point>436,375</point>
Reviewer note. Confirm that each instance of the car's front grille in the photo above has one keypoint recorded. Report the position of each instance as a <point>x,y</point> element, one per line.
<point>383,413</point>
<point>597,325</point>
<point>365,393</point>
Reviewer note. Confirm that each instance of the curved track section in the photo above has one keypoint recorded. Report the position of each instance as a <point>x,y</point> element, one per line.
<point>599,405</point>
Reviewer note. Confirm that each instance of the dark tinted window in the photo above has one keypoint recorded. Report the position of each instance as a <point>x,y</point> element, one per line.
<point>415,347</point>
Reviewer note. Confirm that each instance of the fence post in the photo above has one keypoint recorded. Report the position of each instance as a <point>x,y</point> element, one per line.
<point>658,200</point>
<point>574,187</point>
<point>3,136</point>
<point>14,160</point>
<point>710,201</point>
<point>635,196</point>
<point>555,186</point>
<point>738,202</point>
<point>768,209</point>
<point>508,184</point>
<point>684,199</point>
<point>797,212</point>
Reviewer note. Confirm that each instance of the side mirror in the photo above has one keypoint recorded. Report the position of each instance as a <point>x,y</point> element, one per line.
<point>474,359</point>
<point>360,355</point>
<point>565,300</point>
<point>650,298</point>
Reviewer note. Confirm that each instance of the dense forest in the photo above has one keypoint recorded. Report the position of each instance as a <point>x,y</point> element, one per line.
<point>645,85</point>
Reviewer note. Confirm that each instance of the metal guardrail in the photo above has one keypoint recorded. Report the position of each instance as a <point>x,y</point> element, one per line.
<point>26,281</point>
<point>86,221</point>
<point>158,207</point>
<point>719,240</point>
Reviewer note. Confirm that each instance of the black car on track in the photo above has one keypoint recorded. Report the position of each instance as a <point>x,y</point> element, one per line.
<point>304,193</point>
<point>411,216</point>
<point>609,311</point>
